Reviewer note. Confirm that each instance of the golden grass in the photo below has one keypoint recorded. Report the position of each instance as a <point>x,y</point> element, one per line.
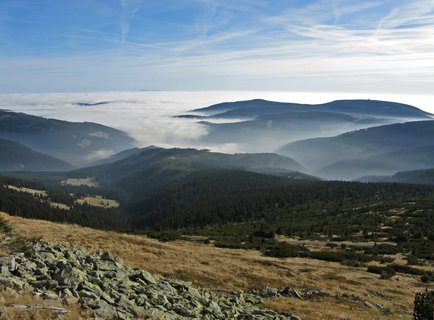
<point>98,201</point>
<point>59,205</point>
<point>80,182</point>
<point>33,192</point>
<point>10,297</point>
<point>229,269</point>
<point>325,308</point>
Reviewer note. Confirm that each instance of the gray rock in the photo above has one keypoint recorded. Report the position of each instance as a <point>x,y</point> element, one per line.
<point>290,292</point>
<point>107,256</point>
<point>46,284</point>
<point>12,282</point>
<point>143,275</point>
<point>4,271</point>
<point>269,293</point>
<point>104,311</point>
<point>69,276</point>
<point>111,290</point>
<point>87,294</point>
<point>105,266</point>
<point>8,262</point>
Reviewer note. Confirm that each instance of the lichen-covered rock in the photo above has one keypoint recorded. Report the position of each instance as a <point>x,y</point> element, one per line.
<point>112,290</point>
<point>12,282</point>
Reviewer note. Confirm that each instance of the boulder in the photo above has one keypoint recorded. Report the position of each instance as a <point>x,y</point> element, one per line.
<point>12,282</point>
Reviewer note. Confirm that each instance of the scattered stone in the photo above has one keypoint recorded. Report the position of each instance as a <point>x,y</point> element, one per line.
<point>111,290</point>
<point>291,292</point>
<point>12,282</point>
<point>32,308</point>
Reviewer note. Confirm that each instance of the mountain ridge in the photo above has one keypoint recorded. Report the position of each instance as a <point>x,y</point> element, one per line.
<point>74,142</point>
<point>16,157</point>
<point>364,142</point>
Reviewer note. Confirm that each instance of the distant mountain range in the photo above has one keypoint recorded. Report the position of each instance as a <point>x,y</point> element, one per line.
<point>259,107</point>
<point>350,139</point>
<point>16,157</point>
<point>425,176</point>
<point>75,143</point>
<point>381,164</point>
<point>377,150</point>
<point>266,125</point>
<point>422,176</point>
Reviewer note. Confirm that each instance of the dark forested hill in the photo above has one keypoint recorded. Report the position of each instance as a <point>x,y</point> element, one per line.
<point>16,157</point>
<point>220,196</point>
<point>394,140</point>
<point>416,176</point>
<point>380,164</point>
<point>76,143</point>
<point>155,161</point>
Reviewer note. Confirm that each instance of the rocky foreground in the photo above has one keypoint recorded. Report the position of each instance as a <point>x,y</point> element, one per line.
<point>112,290</point>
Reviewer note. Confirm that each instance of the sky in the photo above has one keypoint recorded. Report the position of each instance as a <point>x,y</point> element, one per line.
<point>379,46</point>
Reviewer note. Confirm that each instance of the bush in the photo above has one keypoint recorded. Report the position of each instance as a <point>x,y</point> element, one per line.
<point>385,272</point>
<point>165,235</point>
<point>413,260</point>
<point>284,250</point>
<point>390,270</point>
<point>4,226</point>
<point>424,306</point>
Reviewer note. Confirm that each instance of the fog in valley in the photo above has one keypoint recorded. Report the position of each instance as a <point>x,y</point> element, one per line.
<point>148,116</point>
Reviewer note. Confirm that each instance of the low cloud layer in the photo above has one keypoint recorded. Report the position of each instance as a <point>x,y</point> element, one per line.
<point>148,116</point>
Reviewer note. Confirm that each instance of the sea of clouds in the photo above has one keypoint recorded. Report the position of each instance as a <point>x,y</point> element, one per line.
<point>148,116</point>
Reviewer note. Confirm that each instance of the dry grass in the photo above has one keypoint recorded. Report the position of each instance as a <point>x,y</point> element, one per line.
<point>59,205</point>
<point>228,269</point>
<point>9,297</point>
<point>98,201</point>
<point>325,308</point>
<point>80,182</point>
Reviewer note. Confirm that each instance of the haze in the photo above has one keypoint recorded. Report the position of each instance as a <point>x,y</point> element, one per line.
<point>149,116</point>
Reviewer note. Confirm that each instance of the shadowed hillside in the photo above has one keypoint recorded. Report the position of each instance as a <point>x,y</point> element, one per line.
<point>16,157</point>
<point>76,143</point>
<point>397,146</point>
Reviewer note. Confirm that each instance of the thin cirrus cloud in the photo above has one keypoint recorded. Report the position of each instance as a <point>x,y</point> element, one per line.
<point>353,46</point>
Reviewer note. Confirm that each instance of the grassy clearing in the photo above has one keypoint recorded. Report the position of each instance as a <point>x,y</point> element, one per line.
<point>40,193</point>
<point>235,269</point>
<point>59,205</point>
<point>33,192</point>
<point>80,182</point>
<point>98,201</point>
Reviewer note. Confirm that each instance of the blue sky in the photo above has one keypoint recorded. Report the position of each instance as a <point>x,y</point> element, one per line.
<point>382,46</point>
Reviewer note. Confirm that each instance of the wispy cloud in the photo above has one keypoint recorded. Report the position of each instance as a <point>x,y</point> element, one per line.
<point>326,44</point>
<point>129,9</point>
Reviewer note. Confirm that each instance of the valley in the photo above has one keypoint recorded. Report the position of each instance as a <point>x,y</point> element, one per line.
<point>216,160</point>
<point>319,228</point>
